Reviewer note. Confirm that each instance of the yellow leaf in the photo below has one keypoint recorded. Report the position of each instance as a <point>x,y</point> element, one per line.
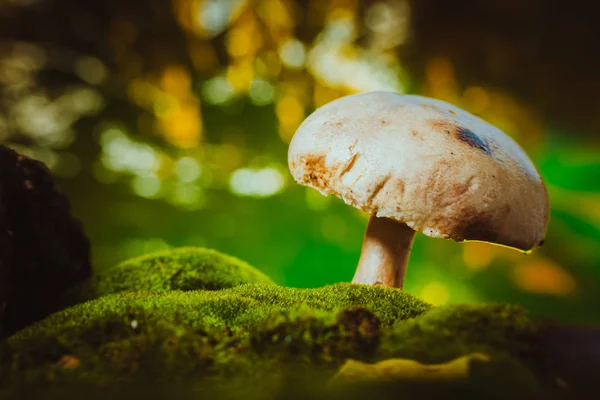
<point>398,369</point>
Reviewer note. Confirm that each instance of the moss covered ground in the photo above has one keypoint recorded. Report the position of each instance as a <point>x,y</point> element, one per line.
<point>260,340</point>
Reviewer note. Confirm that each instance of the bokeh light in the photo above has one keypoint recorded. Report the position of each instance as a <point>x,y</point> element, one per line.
<point>171,127</point>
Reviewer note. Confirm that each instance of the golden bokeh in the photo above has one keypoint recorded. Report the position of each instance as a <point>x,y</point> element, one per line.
<point>543,276</point>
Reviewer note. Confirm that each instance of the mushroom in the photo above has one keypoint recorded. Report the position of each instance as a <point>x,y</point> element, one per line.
<point>419,164</point>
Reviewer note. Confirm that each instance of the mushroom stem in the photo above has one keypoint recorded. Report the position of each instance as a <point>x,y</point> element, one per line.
<point>385,252</point>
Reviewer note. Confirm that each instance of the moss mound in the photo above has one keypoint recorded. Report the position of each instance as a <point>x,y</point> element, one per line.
<point>186,268</point>
<point>242,307</point>
<point>196,322</point>
<point>453,331</point>
<point>231,339</point>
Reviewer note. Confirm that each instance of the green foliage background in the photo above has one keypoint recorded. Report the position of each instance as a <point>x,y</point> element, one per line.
<point>167,125</point>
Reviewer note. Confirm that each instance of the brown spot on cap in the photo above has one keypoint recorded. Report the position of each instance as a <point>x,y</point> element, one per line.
<point>481,229</point>
<point>477,226</point>
<point>461,133</point>
<point>318,173</point>
<point>376,189</point>
<point>472,139</point>
<point>460,188</point>
<point>336,124</point>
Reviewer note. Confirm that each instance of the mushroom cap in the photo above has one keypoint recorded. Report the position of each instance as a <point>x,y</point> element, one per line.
<point>423,162</point>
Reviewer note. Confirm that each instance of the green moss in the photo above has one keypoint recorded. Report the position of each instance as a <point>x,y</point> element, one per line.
<point>242,307</point>
<point>279,337</point>
<point>452,331</point>
<point>186,268</point>
<point>200,334</point>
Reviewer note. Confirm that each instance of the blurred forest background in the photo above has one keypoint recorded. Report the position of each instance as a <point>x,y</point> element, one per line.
<point>166,122</point>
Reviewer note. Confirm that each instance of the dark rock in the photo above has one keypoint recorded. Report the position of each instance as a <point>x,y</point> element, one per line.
<point>43,249</point>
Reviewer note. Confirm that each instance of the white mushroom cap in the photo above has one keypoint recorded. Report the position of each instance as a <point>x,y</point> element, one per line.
<point>423,162</point>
